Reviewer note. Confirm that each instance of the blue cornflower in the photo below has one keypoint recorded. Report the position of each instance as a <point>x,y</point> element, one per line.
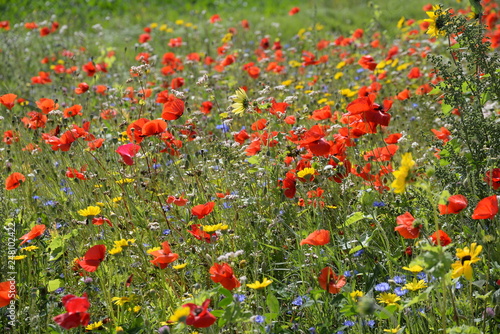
<point>50,203</point>
<point>312,330</point>
<point>156,166</point>
<point>59,290</point>
<point>399,279</point>
<point>223,127</point>
<point>259,319</point>
<point>378,204</point>
<point>298,301</point>
<point>422,275</point>
<point>458,285</point>
<point>347,273</point>
<point>239,298</point>
<point>166,232</point>
<point>358,253</point>
<point>400,291</point>
<point>349,323</point>
<point>370,323</point>
<point>382,287</point>
<point>227,205</point>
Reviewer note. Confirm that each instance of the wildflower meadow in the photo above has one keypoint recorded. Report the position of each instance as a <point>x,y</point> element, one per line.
<point>250,167</point>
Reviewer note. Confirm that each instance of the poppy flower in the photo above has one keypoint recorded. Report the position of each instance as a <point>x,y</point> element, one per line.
<point>10,137</point>
<point>199,233</point>
<point>440,238</point>
<point>154,127</point>
<point>241,136</point>
<point>72,111</point>
<point>384,153</point>
<point>486,208</point>
<point>294,11</point>
<point>127,152</point>
<point>173,108</point>
<point>134,130</point>
<point>82,88</point>
<point>177,83</point>
<point>36,231</point>
<point>179,201</point>
<point>330,282</point>
<point>101,221</point>
<point>199,316</point>
<point>14,180</point>
<point>443,134</point>
<point>393,138</point>
<point>7,292</point>
<point>206,107</point>
<point>317,238</point>
<point>456,203</point>
<point>223,274</point>
<point>202,210</point>
<point>492,178</point>
<point>163,256</point>
<point>93,258</point>
<point>367,62</point>
<point>8,100</point>
<point>289,184</point>
<point>35,120</point>
<point>406,226</point>
<point>76,312</point>
<point>46,105</point>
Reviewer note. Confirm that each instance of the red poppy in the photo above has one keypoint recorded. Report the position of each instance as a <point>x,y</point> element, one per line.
<point>202,210</point>
<point>175,42</point>
<point>492,178</point>
<point>101,221</point>
<point>42,78</point>
<point>370,111</point>
<point>321,114</point>
<point>14,180</point>
<point>393,138</point>
<point>259,124</point>
<point>177,83</point>
<point>35,120</point>
<point>143,38</point>
<point>7,292</point>
<point>46,105</point>
<point>73,111</point>
<point>456,203</point>
<point>406,226</point>
<point>8,100</point>
<point>330,282</point>
<point>486,208</point>
<point>317,238</point>
<point>384,153</point>
<point>367,62</point>
<point>5,25</point>
<point>154,127</point>
<point>241,136</point>
<point>223,274</point>
<point>289,184</point>
<point>89,68</point>
<point>414,73</point>
<point>440,238</point>
<point>76,312</point>
<point>443,134</point>
<point>245,25</point>
<point>294,11</point>
<point>35,232</point>
<point>206,107</point>
<point>134,130</point>
<point>199,316</point>
<point>93,258</point>
<point>215,18</point>
<point>200,234</point>
<point>173,108</point>
<point>82,88</point>
<point>179,201</point>
<point>163,256</point>
<point>127,152</point>
<point>10,137</point>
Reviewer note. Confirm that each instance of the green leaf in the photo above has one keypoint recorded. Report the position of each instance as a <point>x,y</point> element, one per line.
<point>387,312</point>
<point>423,296</point>
<point>355,217</point>
<point>273,303</point>
<point>446,108</point>
<point>254,160</point>
<point>54,285</point>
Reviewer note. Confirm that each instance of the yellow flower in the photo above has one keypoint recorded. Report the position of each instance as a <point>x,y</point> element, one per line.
<point>19,257</point>
<point>149,251</point>
<point>115,250</point>
<point>259,285</point>
<point>414,269</point>
<point>287,82</point>
<point>94,325</point>
<point>414,285</point>
<point>240,102</point>
<point>228,37</point>
<point>392,330</point>
<point>294,63</point>
<point>119,329</point>
<point>29,248</point>
<point>180,266</point>
<point>216,227</point>
<point>401,175</point>
<point>153,25</point>
<point>388,298</point>
<point>356,294</point>
<point>338,75</point>
<point>179,22</point>
<point>436,22</point>
<point>136,309</point>
<point>90,211</point>
<point>163,27</point>
<point>306,171</point>
<point>180,314</point>
<point>120,300</point>
<point>467,257</point>
<point>122,181</point>
<point>117,199</point>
